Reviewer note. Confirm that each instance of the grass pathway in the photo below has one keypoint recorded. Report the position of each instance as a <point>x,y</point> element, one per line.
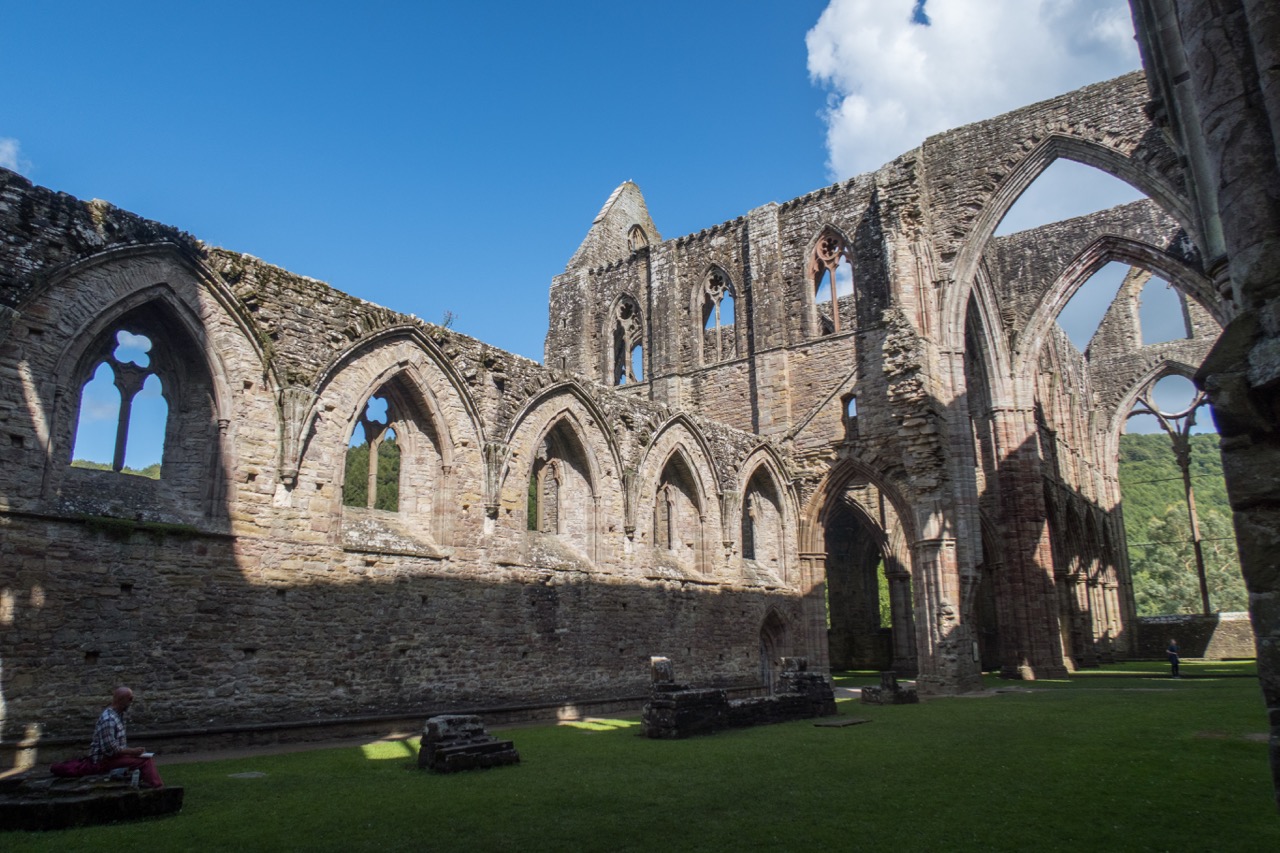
<point>1120,759</point>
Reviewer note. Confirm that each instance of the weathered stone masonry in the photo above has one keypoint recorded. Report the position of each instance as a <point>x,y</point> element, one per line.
<point>238,589</point>
<point>939,419</point>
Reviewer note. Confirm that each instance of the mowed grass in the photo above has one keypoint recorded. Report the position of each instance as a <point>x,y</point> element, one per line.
<point>1121,759</point>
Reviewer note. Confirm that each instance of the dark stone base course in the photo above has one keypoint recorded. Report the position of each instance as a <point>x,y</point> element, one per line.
<point>676,711</point>
<point>43,803</point>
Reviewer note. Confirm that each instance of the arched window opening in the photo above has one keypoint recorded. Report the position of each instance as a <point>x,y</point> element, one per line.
<point>762,525</point>
<point>637,239</point>
<point>1083,313</point>
<point>1182,549</point>
<point>372,478</point>
<point>123,411</point>
<point>719,338</point>
<point>95,439</point>
<point>1162,312</point>
<point>1064,190</point>
<point>678,515</point>
<point>627,333</point>
<point>849,413</point>
<point>831,277</point>
<point>773,647</point>
<point>147,421</point>
<point>561,491</point>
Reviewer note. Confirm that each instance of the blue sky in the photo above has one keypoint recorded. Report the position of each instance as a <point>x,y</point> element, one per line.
<point>437,157</point>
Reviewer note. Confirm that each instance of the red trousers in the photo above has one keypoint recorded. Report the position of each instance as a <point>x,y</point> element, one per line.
<point>146,766</point>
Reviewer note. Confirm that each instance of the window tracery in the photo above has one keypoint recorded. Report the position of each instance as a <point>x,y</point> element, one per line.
<point>372,478</point>
<point>719,337</point>
<point>637,239</point>
<point>628,343</point>
<point>830,272</point>
<point>124,385</point>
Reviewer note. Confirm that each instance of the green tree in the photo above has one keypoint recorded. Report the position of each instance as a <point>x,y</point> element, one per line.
<point>1161,556</point>
<point>1164,566</point>
<point>355,486</point>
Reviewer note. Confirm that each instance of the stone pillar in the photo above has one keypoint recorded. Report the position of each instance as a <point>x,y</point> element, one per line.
<point>1111,607</point>
<point>1031,645</point>
<point>1097,615</point>
<point>813,628</point>
<point>904,632</point>
<point>947,648</point>
<point>1224,53</point>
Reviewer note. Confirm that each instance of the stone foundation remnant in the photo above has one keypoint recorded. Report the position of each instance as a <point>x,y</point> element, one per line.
<point>677,711</point>
<point>30,802</point>
<point>890,692</point>
<point>452,742</point>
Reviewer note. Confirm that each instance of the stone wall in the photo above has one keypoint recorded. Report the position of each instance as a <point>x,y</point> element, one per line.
<point>1222,636</point>
<point>238,589</point>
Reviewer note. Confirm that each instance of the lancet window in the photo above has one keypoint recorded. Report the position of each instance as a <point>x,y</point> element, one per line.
<point>677,516</point>
<point>762,523</point>
<point>561,489</point>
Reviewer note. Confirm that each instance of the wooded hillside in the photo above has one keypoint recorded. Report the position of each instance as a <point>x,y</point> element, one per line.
<point>1161,556</point>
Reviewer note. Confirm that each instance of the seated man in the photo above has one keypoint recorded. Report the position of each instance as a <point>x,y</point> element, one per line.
<point>110,748</point>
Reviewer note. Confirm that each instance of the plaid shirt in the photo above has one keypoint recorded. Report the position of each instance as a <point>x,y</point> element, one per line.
<point>108,736</point>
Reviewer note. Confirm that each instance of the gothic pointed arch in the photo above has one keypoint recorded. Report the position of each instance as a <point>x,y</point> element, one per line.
<point>568,396</point>
<point>563,486</point>
<point>387,438</point>
<point>1186,277</point>
<point>1153,373</point>
<point>1120,159</point>
<point>381,353</point>
<point>864,564</point>
<point>637,238</point>
<point>561,481</point>
<point>173,407</point>
<point>678,512</point>
<point>775,644</point>
<point>767,517</point>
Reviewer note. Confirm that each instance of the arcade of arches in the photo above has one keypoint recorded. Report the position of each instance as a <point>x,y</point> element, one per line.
<point>847,426</point>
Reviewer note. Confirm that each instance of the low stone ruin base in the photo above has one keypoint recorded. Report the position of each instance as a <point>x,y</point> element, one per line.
<point>452,742</point>
<point>677,711</point>
<point>889,692</point>
<point>47,802</point>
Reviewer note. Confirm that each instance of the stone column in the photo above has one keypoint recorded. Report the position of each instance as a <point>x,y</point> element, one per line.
<point>904,636</point>
<point>1224,52</point>
<point>813,586</point>
<point>947,648</point>
<point>1031,646</point>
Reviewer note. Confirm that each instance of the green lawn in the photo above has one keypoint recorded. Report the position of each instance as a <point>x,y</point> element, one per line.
<point>1121,759</point>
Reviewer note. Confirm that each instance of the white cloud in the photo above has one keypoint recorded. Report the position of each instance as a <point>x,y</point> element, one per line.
<point>11,156</point>
<point>893,82</point>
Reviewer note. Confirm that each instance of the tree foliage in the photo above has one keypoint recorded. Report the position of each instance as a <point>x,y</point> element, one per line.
<point>355,486</point>
<point>1161,554</point>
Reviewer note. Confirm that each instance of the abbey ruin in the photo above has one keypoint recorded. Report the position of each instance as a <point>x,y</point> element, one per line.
<point>719,449</point>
